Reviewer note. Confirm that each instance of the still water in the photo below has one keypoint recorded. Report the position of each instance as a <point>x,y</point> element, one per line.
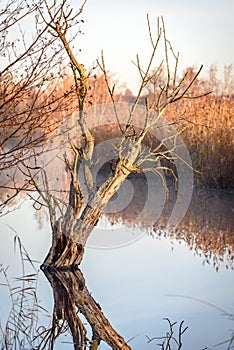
<point>185,276</point>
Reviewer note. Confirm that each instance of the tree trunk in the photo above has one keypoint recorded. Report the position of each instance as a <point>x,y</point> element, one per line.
<point>69,234</point>
<point>64,253</point>
<point>70,294</point>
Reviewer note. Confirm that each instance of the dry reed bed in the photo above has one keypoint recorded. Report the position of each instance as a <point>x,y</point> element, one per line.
<point>209,133</point>
<point>209,138</point>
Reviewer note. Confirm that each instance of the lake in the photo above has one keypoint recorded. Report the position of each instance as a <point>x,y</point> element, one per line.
<point>144,278</point>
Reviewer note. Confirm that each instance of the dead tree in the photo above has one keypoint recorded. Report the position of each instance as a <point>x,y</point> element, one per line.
<point>74,219</point>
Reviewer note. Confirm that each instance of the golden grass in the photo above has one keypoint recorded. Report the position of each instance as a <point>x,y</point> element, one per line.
<point>209,121</point>
<point>209,133</point>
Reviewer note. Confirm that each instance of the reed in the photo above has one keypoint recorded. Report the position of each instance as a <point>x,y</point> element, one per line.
<point>209,121</point>
<point>22,327</point>
<point>209,133</point>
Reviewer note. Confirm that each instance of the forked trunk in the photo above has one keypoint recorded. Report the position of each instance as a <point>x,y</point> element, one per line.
<point>70,234</point>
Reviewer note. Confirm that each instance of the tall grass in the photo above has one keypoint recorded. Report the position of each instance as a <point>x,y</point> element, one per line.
<point>209,121</point>
<point>209,133</point>
<point>21,329</point>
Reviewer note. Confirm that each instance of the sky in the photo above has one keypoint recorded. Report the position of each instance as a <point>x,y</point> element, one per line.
<point>202,31</point>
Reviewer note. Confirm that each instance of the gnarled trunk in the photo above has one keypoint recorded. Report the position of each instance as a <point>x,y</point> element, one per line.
<point>70,234</point>
<point>64,253</point>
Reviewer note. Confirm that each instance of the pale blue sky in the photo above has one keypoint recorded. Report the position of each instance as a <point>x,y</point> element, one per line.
<point>202,31</point>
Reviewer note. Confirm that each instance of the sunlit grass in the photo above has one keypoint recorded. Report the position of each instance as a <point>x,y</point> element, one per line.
<point>209,132</point>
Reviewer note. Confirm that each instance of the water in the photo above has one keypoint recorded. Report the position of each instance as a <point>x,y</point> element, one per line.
<point>186,276</point>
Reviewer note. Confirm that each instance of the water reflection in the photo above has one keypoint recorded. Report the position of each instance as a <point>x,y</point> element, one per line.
<point>72,296</point>
<point>130,284</point>
<point>75,312</point>
<point>207,228</point>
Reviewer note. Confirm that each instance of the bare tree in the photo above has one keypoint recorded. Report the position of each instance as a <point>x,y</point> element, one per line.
<point>28,117</point>
<point>73,219</point>
<point>29,130</point>
<point>32,103</point>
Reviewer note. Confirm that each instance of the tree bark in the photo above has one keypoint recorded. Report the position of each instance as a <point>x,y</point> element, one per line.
<point>64,253</point>
<point>70,235</point>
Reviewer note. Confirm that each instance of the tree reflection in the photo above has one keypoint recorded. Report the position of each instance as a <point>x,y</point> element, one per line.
<point>71,298</point>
